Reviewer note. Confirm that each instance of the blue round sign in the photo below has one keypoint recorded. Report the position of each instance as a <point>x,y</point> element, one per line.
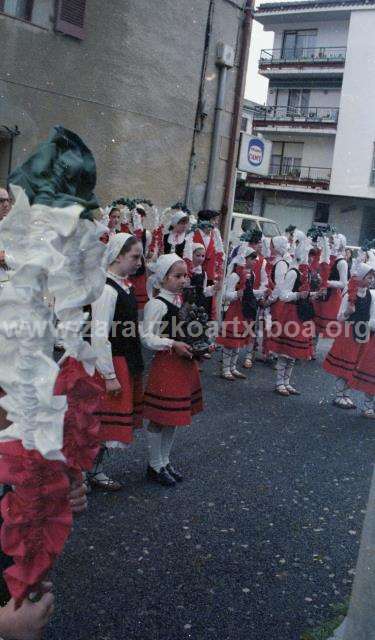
<point>255,152</point>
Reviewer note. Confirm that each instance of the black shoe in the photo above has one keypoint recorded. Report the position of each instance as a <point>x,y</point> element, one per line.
<point>175,474</point>
<point>162,477</point>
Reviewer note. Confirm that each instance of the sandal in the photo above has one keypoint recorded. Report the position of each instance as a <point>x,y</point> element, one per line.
<point>350,403</point>
<point>228,376</point>
<point>341,403</point>
<point>248,364</point>
<point>282,391</point>
<point>292,390</point>
<point>104,484</point>
<point>369,414</point>
<point>238,374</point>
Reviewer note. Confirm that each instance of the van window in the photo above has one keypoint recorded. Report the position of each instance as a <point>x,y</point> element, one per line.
<point>269,229</point>
<point>248,225</point>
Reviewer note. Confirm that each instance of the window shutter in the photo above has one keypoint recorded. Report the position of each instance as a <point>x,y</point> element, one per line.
<point>70,17</point>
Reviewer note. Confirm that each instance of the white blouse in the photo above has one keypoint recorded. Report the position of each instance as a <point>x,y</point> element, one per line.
<point>151,328</point>
<point>281,269</point>
<point>342,268</point>
<point>103,312</point>
<point>231,294</point>
<point>286,290</point>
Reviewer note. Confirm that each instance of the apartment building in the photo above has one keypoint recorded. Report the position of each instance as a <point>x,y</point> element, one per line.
<point>319,115</point>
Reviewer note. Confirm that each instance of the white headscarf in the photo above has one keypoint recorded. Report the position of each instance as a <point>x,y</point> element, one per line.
<point>302,247</point>
<point>363,269</point>
<point>198,245</point>
<point>280,244</point>
<point>163,264</point>
<point>114,247</point>
<point>177,217</point>
<point>339,244</point>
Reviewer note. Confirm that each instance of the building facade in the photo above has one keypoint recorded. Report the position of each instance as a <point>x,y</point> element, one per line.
<point>319,115</point>
<point>134,78</point>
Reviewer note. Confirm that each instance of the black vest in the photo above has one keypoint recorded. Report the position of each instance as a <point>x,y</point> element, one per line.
<point>125,321</point>
<point>249,302</point>
<point>298,281</point>
<point>361,317</point>
<point>170,320</point>
<point>179,248</point>
<point>197,284</point>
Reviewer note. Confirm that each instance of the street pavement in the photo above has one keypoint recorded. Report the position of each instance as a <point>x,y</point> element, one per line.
<point>258,543</point>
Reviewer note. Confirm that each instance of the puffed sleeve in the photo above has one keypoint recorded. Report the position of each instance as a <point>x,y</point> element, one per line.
<point>103,311</point>
<point>151,327</point>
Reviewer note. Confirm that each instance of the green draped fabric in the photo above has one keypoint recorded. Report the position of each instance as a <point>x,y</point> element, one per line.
<point>60,173</point>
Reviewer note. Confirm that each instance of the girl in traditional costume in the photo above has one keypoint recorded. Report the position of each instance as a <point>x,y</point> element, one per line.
<point>351,357</point>
<point>116,341</point>
<point>173,392</point>
<point>239,318</point>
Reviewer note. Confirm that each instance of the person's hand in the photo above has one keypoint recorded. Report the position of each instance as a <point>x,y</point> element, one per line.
<point>113,387</point>
<point>216,286</point>
<point>323,293</point>
<point>240,294</point>
<point>27,622</point>
<point>350,308</point>
<point>183,350</point>
<point>314,295</point>
<point>77,497</point>
<point>303,295</point>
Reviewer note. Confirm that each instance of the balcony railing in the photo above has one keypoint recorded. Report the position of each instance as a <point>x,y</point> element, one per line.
<point>318,177</point>
<point>303,55</point>
<point>296,115</point>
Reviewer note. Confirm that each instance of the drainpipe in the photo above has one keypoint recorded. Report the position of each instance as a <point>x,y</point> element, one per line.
<point>231,175</point>
<point>224,61</point>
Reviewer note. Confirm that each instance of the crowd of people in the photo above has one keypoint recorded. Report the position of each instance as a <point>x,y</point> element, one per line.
<point>171,289</point>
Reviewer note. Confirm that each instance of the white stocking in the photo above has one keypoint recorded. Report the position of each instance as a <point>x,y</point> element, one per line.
<point>167,437</point>
<point>153,434</point>
<point>234,359</point>
<point>227,356</point>
<point>281,364</point>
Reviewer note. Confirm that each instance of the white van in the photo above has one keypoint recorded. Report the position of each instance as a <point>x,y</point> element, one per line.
<point>243,222</point>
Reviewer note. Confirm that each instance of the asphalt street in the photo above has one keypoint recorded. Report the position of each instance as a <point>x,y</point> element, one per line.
<point>258,543</point>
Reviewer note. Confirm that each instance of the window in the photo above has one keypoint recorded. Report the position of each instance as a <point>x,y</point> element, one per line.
<point>243,124</point>
<point>299,44</point>
<point>372,177</point>
<point>322,212</point>
<point>298,102</point>
<point>70,18</point>
<point>17,8</point>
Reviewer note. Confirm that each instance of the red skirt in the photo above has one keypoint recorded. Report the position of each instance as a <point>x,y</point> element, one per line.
<point>173,392</point>
<point>363,378</point>
<point>140,290</point>
<point>236,331</point>
<point>342,357</point>
<point>119,415</point>
<point>326,312</point>
<point>289,336</point>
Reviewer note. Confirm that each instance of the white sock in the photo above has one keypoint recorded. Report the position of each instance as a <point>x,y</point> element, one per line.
<point>341,388</point>
<point>167,437</point>
<point>280,370</point>
<point>288,372</point>
<point>154,448</point>
<point>227,356</point>
<point>234,359</point>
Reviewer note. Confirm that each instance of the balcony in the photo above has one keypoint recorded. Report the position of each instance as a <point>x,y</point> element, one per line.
<point>328,61</point>
<point>305,119</point>
<point>300,178</point>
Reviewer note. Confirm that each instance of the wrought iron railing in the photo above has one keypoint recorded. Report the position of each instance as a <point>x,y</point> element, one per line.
<point>304,114</point>
<point>303,54</point>
<point>297,174</point>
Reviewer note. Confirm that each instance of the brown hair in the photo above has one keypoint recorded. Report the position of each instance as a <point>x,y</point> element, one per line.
<point>130,242</point>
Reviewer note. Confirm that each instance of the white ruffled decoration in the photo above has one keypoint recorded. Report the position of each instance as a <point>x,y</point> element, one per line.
<point>56,253</point>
